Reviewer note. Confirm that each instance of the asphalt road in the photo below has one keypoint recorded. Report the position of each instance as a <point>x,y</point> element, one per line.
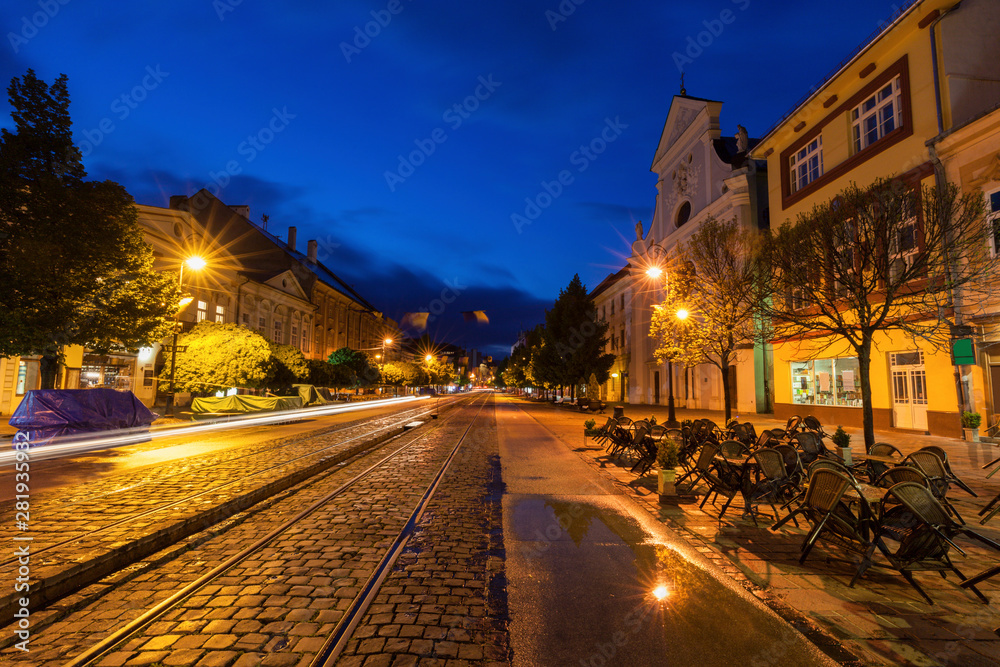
<point>584,564</point>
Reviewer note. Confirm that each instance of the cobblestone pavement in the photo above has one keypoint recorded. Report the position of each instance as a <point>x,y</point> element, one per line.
<point>278,606</point>
<point>882,620</point>
<point>445,601</point>
<point>105,525</point>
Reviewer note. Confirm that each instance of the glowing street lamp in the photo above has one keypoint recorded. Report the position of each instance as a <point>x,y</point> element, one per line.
<point>195,264</point>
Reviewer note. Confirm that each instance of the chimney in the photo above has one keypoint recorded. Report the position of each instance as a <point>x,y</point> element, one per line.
<point>241,209</point>
<point>291,238</point>
<point>311,251</point>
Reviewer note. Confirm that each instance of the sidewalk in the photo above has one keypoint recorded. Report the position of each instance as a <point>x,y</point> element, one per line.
<point>882,620</point>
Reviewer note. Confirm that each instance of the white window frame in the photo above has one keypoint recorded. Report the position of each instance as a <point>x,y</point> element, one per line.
<point>202,311</point>
<point>883,106</point>
<point>277,332</point>
<point>262,325</point>
<point>806,164</point>
<point>220,313</point>
<point>295,335</point>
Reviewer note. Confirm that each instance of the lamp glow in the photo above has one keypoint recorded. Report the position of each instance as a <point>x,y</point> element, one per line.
<point>195,263</point>
<point>682,314</point>
<point>661,592</point>
<point>654,272</point>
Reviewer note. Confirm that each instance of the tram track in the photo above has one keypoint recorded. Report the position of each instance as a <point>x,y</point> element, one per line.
<point>353,494</point>
<point>115,545</point>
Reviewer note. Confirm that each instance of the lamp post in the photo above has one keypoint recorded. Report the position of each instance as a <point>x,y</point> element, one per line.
<point>655,272</point>
<point>195,264</point>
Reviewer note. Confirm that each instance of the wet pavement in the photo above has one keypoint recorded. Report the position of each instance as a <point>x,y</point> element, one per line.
<point>594,580</point>
<point>881,620</point>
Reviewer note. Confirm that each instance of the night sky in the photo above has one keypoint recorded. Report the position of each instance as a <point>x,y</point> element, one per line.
<point>404,135</point>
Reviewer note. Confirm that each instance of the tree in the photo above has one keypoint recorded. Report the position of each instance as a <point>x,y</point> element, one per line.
<point>221,355</point>
<point>720,279</point>
<point>574,341</point>
<point>289,365</point>
<point>356,363</point>
<point>73,264</point>
<point>400,373</point>
<point>883,258</point>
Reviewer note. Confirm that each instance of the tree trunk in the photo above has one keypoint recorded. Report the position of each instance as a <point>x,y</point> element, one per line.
<point>726,393</point>
<point>48,368</point>
<point>864,369</point>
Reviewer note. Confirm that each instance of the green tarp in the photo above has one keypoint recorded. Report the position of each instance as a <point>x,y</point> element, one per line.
<point>242,404</point>
<point>309,395</point>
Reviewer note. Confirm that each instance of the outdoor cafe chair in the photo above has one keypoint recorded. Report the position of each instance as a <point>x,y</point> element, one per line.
<point>621,435</point>
<point>647,449</point>
<point>703,462</point>
<point>931,465</point>
<point>811,447</point>
<point>773,485</point>
<point>766,439</point>
<point>876,468</point>
<point>723,479</point>
<point>810,423</point>
<point>833,520</point>
<point>604,432</point>
<point>793,424</point>
<point>633,446</point>
<point>793,464</point>
<point>924,533</point>
<point>949,474</point>
<point>745,433</point>
<point>820,464</point>
<point>899,474</point>
<point>733,449</point>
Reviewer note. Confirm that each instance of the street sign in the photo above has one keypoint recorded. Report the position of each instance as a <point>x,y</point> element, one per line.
<point>963,351</point>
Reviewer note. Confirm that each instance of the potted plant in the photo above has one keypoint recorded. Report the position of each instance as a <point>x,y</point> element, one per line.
<point>666,462</point>
<point>590,427</point>
<point>970,425</point>
<point>842,440</point>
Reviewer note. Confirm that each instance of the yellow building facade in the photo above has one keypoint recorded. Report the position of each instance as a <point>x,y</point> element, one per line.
<point>934,68</point>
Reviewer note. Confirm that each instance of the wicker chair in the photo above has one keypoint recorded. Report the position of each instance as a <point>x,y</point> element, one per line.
<point>951,476</point>
<point>793,463</point>
<point>931,465</point>
<point>811,423</point>
<point>833,520</point>
<point>876,468</point>
<point>899,474</point>
<point>793,424</point>
<point>723,479</point>
<point>924,532</point>
<point>766,439</point>
<point>773,484</point>
<point>734,449</point>
<point>703,464</point>
<point>811,447</point>
<point>647,448</point>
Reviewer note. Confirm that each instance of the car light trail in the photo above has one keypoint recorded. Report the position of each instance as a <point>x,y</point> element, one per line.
<point>87,442</point>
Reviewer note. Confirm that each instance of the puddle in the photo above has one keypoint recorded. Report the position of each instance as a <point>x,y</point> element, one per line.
<point>599,590</point>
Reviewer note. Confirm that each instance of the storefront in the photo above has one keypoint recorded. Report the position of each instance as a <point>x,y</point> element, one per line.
<point>827,382</point>
<point>110,371</point>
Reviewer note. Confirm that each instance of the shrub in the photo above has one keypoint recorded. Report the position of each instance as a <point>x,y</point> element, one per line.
<point>841,438</point>
<point>666,454</point>
<point>589,425</point>
<point>971,420</point>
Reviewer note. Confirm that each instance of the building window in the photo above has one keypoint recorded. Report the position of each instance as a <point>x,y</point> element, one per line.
<point>277,332</point>
<point>807,164</point>
<point>827,382</point>
<point>904,246</point>
<point>612,307</point>
<point>683,213</point>
<point>295,336</point>
<point>621,343</point>
<point>220,313</point>
<point>202,311</point>
<point>993,209</point>
<point>877,116</point>
<point>623,303</point>
<point>262,325</point>
<point>246,319</point>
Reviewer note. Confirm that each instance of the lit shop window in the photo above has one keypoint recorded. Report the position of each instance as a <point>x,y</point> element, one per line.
<point>826,382</point>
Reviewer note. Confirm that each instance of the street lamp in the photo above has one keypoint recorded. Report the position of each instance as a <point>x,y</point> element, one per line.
<point>671,417</point>
<point>195,264</point>
<point>385,341</point>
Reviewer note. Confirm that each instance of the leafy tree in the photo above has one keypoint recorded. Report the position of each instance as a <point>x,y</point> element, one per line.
<point>882,258</point>
<point>320,373</point>
<point>73,264</point>
<point>289,365</point>
<point>356,363</point>
<point>220,355</point>
<point>720,279</point>
<point>400,373</point>
<point>574,340</point>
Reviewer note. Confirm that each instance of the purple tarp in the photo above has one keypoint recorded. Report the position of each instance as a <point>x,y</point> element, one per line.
<point>48,413</point>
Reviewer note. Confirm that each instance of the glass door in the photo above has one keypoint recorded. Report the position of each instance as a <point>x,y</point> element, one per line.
<point>909,390</point>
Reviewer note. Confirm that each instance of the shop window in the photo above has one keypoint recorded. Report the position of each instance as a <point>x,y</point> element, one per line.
<point>826,382</point>
<point>806,164</point>
<point>220,313</point>
<point>202,311</point>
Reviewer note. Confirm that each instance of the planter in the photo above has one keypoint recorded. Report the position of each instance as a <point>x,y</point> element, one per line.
<point>971,434</point>
<point>666,482</point>
<point>845,453</point>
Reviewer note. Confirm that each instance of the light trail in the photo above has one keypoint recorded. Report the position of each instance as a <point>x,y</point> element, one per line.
<point>88,442</point>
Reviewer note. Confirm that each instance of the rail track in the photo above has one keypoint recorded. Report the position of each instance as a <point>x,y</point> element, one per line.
<point>421,453</point>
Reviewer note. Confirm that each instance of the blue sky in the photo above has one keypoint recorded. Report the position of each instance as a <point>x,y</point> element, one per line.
<point>405,134</point>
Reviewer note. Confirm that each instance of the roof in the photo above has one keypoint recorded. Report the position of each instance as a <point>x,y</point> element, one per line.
<point>610,280</point>
<point>907,7</point>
